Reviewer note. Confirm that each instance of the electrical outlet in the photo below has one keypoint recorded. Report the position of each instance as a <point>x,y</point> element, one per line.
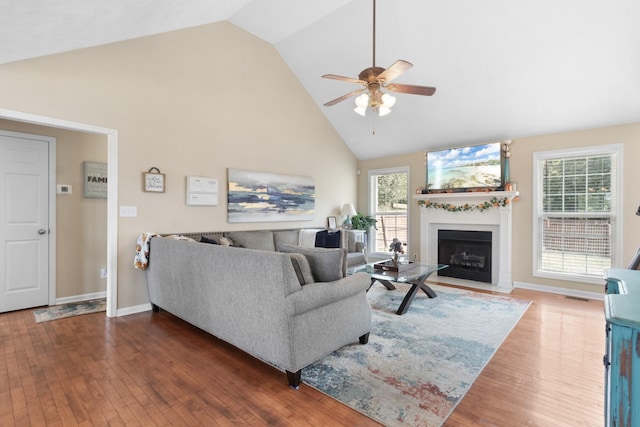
<point>415,256</point>
<point>103,273</point>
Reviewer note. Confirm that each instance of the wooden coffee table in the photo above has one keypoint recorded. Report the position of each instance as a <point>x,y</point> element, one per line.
<point>416,274</point>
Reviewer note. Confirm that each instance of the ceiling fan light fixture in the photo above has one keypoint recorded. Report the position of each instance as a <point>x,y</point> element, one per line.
<point>388,100</point>
<point>383,111</point>
<point>361,104</point>
<point>360,110</point>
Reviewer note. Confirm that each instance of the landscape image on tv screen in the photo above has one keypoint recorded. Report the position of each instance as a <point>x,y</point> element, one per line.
<point>470,167</point>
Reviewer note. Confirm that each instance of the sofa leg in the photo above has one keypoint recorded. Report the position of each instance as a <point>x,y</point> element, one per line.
<point>155,308</point>
<point>364,338</point>
<point>294,379</point>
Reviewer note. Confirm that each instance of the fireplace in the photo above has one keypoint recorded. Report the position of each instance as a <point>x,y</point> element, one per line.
<point>494,218</point>
<point>468,254</point>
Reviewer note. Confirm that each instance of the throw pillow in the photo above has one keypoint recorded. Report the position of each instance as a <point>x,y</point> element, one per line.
<point>302,268</point>
<point>327,239</point>
<point>223,241</point>
<point>326,265</point>
<point>207,240</point>
<point>321,239</point>
<point>333,239</point>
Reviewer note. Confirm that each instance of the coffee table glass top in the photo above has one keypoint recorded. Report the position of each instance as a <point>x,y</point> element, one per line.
<point>416,271</point>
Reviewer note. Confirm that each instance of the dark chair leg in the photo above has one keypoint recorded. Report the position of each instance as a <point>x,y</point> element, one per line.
<point>364,338</point>
<point>294,379</point>
<point>155,308</point>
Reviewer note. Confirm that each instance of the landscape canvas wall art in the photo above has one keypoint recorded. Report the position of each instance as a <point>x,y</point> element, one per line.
<point>259,196</point>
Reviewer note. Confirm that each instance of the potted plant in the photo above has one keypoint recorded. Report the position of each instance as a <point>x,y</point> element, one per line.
<point>362,222</point>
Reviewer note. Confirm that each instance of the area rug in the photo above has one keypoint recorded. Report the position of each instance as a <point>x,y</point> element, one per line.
<point>418,366</point>
<point>67,310</point>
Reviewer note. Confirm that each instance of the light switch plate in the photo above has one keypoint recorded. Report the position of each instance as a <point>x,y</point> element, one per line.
<point>128,211</point>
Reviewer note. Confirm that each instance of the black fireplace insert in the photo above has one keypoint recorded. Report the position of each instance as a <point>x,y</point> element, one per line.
<point>468,254</point>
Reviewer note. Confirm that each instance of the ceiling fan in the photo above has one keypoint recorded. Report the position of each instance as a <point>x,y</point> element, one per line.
<point>374,79</point>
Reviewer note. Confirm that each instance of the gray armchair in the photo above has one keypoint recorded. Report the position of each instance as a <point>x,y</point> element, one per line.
<point>355,241</point>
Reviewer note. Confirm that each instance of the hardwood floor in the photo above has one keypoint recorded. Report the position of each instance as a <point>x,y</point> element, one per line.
<point>155,370</point>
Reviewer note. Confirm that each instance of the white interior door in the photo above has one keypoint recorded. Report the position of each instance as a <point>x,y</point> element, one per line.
<point>24,221</point>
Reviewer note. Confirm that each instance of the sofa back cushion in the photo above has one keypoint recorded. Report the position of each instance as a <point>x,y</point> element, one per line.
<point>302,268</point>
<point>326,264</point>
<point>261,239</point>
<point>286,237</point>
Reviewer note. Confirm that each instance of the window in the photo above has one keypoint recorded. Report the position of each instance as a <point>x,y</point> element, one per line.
<point>576,211</point>
<point>388,197</point>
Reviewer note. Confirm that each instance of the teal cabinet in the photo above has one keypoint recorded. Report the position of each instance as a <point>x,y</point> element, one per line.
<point>622,353</point>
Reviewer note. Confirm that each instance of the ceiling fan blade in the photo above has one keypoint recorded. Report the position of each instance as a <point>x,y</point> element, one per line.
<point>344,79</point>
<point>343,97</point>
<point>412,89</point>
<point>397,68</point>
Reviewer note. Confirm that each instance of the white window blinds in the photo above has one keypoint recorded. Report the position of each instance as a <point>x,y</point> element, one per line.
<point>576,209</point>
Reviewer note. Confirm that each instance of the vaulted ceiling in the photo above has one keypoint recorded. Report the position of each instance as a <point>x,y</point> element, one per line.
<point>502,68</point>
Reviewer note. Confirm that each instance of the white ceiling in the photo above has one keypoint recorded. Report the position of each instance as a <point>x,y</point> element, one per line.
<point>502,68</point>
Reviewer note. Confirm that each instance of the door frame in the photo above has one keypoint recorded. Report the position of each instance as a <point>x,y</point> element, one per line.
<point>51,200</point>
<point>112,194</point>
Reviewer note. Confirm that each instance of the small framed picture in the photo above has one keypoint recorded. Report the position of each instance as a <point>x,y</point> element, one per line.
<point>153,182</point>
<point>332,221</point>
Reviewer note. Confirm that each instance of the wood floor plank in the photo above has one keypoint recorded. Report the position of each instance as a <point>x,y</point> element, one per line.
<point>152,369</point>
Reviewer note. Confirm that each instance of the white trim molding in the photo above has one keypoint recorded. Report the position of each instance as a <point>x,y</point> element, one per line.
<point>112,196</point>
<point>561,291</point>
<point>496,219</point>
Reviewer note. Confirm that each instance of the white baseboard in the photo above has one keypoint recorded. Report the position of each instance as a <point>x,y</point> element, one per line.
<point>120,312</point>
<point>83,297</point>
<point>134,309</point>
<point>560,291</point>
<point>469,284</point>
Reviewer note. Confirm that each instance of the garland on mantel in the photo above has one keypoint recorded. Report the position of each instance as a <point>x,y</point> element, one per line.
<point>493,203</point>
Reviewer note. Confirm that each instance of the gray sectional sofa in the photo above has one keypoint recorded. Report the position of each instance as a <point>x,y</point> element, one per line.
<point>287,308</point>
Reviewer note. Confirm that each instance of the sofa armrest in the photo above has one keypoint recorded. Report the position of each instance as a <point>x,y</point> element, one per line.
<point>318,294</point>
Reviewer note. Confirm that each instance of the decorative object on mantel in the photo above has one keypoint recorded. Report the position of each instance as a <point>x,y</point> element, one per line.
<point>153,182</point>
<point>348,210</point>
<point>506,148</point>
<point>494,202</point>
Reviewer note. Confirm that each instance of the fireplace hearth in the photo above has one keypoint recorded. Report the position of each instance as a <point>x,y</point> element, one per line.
<point>468,254</point>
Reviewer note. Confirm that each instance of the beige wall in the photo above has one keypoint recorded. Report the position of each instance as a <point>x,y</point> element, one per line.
<point>81,226</point>
<point>190,102</point>
<point>522,172</point>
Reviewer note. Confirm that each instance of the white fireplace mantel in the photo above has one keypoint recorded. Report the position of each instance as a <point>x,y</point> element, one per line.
<point>496,219</point>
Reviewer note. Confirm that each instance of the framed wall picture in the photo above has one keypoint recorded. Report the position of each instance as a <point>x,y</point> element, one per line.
<point>95,180</point>
<point>153,182</point>
<point>332,222</point>
<point>260,197</point>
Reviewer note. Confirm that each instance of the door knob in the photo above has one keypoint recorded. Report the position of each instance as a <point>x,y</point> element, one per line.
<point>42,231</point>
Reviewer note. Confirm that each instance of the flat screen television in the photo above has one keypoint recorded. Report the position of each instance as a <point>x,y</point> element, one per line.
<point>476,167</point>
